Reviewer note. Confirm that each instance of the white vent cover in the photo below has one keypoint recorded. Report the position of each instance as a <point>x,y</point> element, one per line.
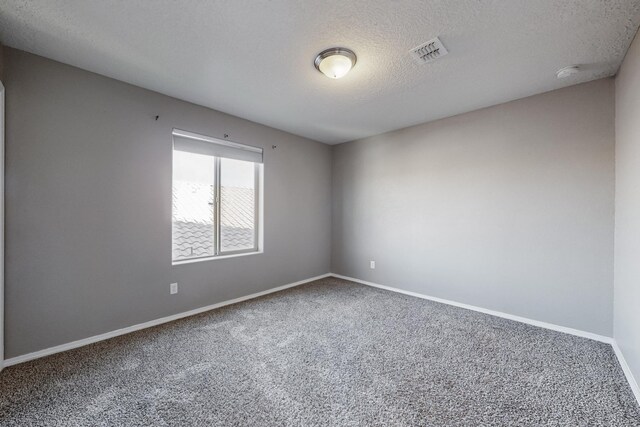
<point>429,51</point>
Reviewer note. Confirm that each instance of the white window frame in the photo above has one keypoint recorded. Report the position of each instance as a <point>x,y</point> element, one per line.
<point>219,254</point>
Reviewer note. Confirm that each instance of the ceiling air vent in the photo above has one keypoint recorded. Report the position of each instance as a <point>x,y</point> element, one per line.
<point>429,51</point>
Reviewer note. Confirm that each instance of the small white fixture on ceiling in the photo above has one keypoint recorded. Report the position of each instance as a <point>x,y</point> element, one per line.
<point>429,51</point>
<point>567,71</point>
<point>335,62</point>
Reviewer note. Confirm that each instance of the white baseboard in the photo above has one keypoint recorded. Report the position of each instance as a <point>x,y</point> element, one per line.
<point>602,338</point>
<point>96,338</point>
<point>627,371</point>
<point>566,330</point>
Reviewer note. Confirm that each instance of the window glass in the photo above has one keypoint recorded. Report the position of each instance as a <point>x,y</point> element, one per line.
<point>237,205</point>
<point>194,225</point>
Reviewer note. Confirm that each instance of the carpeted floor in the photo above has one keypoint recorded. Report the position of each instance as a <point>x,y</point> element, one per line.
<point>330,353</point>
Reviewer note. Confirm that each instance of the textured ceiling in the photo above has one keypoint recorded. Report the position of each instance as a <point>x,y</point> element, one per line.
<point>254,59</point>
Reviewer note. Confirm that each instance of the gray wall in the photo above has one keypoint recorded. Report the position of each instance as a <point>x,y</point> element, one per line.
<point>1,61</point>
<point>88,193</point>
<point>510,208</point>
<point>627,235</point>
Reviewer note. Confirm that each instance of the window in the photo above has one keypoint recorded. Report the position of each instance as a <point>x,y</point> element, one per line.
<point>215,197</point>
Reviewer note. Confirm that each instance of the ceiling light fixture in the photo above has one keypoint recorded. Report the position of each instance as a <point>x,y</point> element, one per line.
<point>335,62</point>
<point>567,71</point>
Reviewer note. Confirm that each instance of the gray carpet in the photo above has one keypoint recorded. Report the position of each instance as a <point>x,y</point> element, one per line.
<point>330,353</point>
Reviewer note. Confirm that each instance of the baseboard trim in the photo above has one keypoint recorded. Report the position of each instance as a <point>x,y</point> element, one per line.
<point>601,338</point>
<point>96,338</point>
<point>566,330</point>
<point>627,371</point>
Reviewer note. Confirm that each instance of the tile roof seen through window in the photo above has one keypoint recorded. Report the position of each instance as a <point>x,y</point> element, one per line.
<point>193,219</point>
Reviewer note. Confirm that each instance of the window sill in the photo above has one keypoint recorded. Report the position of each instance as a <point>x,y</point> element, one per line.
<point>215,258</point>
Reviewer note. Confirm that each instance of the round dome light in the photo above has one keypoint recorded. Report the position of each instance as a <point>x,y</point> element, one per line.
<point>569,71</point>
<point>335,62</point>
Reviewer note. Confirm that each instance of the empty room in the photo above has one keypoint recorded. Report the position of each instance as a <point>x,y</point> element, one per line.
<point>319,213</point>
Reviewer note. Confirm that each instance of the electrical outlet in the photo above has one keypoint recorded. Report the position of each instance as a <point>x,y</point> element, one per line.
<point>372,265</point>
<point>173,288</point>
